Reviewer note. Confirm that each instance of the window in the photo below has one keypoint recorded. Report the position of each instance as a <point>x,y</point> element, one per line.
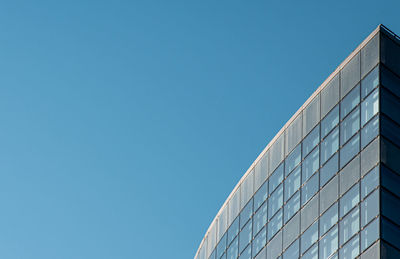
<point>351,249</point>
<point>233,230</point>
<point>369,208</point>
<point>259,241</point>
<point>292,183</point>
<point>293,159</point>
<point>329,145</point>
<point>260,196</point>
<point>275,201</point>
<point>329,219</point>
<point>329,169</point>
<point>349,150</point>
<point>292,206</point>
<point>276,178</point>
<point>350,126</point>
<point>370,234</point>
<point>370,182</point>
<point>370,131</point>
<point>260,219</point>
<point>329,194</point>
<point>245,236</point>
<point>350,200</point>
<point>311,141</point>
<point>312,253</point>
<point>246,213</point>
<point>350,102</point>
<point>275,224</point>
<point>292,251</point>
<point>329,243</point>
<point>246,254</point>
<point>370,82</point>
<point>309,237</point>
<point>232,251</point>
<point>369,107</point>
<point>349,226</point>
<point>309,189</point>
<point>330,121</point>
<point>310,165</point>
<point>330,95</point>
<point>350,75</point>
<point>221,246</point>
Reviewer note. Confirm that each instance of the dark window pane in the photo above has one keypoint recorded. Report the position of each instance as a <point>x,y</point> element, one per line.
<point>390,206</point>
<point>390,180</point>
<point>390,81</point>
<point>390,105</point>
<point>390,130</point>
<point>390,233</point>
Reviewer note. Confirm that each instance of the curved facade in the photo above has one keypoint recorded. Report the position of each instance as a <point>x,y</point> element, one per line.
<point>314,190</point>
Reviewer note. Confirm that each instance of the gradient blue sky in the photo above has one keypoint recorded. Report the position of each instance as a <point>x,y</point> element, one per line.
<point>124,125</point>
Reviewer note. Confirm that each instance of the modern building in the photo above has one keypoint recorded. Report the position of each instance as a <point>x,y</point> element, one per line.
<point>328,184</point>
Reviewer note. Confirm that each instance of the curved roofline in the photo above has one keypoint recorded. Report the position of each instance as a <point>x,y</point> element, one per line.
<point>282,130</point>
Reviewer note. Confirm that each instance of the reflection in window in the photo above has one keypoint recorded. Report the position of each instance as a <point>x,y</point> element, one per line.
<point>370,82</point>
<point>292,251</point>
<point>350,200</point>
<point>276,178</point>
<point>292,206</point>
<point>350,102</point>
<point>349,150</point>
<point>275,201</point>
<point>309,237</point>
<point>293,159</point>
<point>292,183</point>
<point>260,218</point>
<point>245,236</point>
<point>369,208</point>
<point>233,230</point>
<point>312,253</point>
<point>310,141</point>
<point>330,121</point>
<point>260,196</point>
<point>329,243</point>
<point>350,126</point>
<point>246,254</point>
<point>370,234</point>
<point>329,169</point>
<point>369,182</point>
<point>369,132</point>
<point>329,219</point>
<point>246,213</point>
<point>259,241</point>
<point>221,246</point>
<point>369,107</point>
<point>349,226</point>
<point>310,165</point>
<point>232,251</point>
<point>330,145</point>
<point>275,224</point>
<point>351,249</point>
<point>309,189</point>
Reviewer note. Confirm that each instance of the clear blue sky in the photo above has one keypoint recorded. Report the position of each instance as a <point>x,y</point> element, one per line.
<point>124,125</point>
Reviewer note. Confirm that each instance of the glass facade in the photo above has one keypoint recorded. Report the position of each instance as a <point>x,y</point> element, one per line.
<point>328,185</point>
